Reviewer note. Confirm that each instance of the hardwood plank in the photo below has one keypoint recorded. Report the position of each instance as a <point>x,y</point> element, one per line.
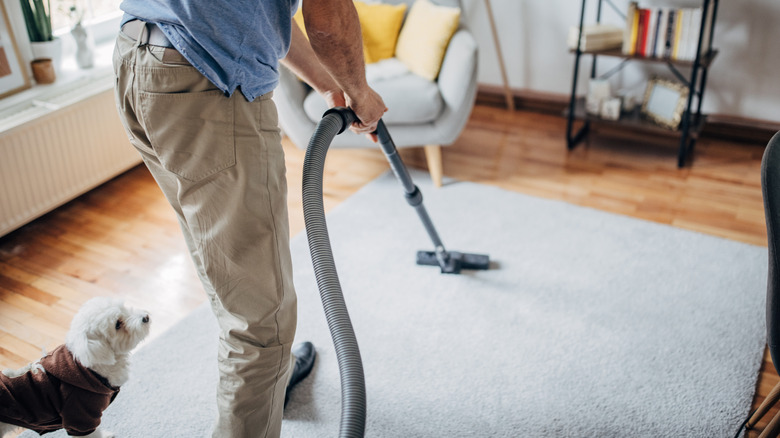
<point>13,347</point>
<point>10,287</point>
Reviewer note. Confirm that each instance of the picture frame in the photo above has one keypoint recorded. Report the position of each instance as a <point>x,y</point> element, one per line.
<point>664,102</point>
<point>13,76</point>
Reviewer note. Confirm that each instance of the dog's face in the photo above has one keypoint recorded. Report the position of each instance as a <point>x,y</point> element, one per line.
<point>104,328</point>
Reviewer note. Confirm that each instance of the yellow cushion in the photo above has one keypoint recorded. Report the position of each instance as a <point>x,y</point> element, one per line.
<point>298,17</point>
<point>425,36</point>
<point>379,24</point>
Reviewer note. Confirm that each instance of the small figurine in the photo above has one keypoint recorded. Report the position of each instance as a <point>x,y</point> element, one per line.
<point>84,52</point>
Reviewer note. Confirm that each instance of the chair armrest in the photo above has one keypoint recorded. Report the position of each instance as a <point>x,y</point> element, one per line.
<point>459,69</point>
<point>289,96</point>
<point>291,89</point>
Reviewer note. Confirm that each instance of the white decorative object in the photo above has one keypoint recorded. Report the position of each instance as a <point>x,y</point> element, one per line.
<point>627,100</point>
<point>610,108</point>
<point>84,46</point>
<point>593,106</point>
<point>598,91</point>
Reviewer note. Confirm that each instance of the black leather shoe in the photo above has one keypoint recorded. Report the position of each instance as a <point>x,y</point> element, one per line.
<point>304,362</point>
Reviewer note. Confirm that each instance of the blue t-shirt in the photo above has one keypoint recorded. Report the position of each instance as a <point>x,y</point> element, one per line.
<point>236,43</point>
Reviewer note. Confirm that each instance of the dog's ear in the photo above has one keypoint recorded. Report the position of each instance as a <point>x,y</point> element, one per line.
<point>91,351</point>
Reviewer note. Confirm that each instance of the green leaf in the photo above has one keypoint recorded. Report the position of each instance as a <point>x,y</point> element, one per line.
<point>37,19</point>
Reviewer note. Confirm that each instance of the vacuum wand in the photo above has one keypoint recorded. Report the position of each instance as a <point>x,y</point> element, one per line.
<point>450,262</point>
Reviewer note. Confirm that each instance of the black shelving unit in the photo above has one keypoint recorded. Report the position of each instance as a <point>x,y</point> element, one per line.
<point>691,122</point>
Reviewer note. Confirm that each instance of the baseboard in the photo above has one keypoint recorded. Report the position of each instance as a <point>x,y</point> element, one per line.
<point>726,127</point>
<point>548,103</point>
<point>740,128</point>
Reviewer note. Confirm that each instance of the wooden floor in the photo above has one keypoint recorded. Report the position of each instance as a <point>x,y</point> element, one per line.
<point>122,239</point>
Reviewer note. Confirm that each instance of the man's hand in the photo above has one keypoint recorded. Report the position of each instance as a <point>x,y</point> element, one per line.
<point>368,108</point>
<point>371,109</point>
<point>334,98</point>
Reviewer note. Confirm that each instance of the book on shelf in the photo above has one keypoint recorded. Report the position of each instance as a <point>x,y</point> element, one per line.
<point>666,32</point>
<point>596,37</point>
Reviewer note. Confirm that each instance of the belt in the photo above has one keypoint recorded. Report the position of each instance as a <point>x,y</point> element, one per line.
<point>154,36</point>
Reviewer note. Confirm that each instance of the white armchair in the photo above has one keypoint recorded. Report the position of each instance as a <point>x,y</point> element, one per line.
<point>420,112</point>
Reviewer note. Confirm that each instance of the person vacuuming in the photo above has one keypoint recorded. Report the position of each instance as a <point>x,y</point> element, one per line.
<point>194,81</point>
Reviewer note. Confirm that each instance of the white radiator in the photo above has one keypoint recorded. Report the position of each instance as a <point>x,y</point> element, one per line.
<point>57,147</point>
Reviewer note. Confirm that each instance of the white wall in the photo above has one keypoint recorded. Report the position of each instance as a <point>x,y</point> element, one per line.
<point>744,79</point>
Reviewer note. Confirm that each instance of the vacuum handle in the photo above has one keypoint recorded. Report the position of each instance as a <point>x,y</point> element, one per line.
<point>348,116</point>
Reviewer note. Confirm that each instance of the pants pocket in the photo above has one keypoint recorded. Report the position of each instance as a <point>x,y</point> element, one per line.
<point>191,133</point>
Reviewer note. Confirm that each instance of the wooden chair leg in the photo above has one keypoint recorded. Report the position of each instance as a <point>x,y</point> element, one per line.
<point>433,156</point>
<point>766,405</point>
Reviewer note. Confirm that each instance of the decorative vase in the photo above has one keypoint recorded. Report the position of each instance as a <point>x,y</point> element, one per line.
<point>84,45</point>
<point>43,71</point>
<point>49,50</point>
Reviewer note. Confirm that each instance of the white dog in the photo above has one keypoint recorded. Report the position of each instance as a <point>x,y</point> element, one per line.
<point>70,387</point>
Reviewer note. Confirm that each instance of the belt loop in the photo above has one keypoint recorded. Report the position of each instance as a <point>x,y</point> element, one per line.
<point>143,32</point>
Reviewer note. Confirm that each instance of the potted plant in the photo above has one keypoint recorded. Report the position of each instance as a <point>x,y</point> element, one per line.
<point>44,45</point>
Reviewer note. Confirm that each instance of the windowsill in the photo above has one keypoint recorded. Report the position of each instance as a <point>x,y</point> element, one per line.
<point>72,85</point>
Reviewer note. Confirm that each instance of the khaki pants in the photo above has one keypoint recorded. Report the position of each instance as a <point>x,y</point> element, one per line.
<point>220,163</point>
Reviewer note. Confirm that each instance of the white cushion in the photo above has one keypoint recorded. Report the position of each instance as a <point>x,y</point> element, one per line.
<point>410,99</point>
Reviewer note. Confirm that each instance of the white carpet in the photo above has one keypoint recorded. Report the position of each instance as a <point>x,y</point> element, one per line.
<point>593,325</point>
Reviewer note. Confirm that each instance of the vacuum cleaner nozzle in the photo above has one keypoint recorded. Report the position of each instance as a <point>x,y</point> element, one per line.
<point>453,261</point>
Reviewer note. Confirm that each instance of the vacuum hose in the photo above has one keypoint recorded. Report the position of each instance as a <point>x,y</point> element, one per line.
<point>353,385</point>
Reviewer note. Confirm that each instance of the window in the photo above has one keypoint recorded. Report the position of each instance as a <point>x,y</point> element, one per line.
<point>61,16</point>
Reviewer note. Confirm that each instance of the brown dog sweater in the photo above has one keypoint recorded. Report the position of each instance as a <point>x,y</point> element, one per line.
<point>67,395</point>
